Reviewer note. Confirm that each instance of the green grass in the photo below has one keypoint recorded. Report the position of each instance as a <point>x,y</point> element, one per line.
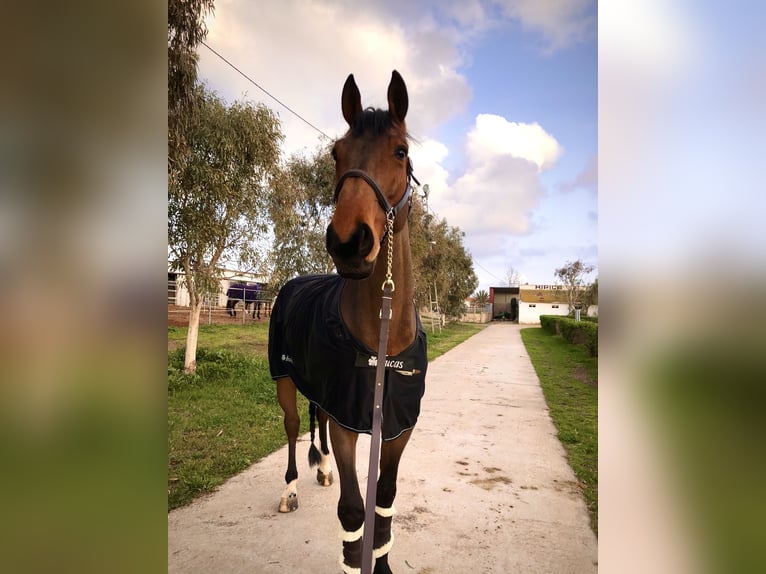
<point>251,339</point>
<point>220,420</point>
<point>451,335</point>
<point>569,378</point>
<point>226,416</point>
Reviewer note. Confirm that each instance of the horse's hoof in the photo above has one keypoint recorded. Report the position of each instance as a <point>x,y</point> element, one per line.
<point>324,479</point>
<point>288,503</point>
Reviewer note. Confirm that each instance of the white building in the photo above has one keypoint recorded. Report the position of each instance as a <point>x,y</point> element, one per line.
<point>525,304</point>
<point>178,294</point>
<point>536,300</point>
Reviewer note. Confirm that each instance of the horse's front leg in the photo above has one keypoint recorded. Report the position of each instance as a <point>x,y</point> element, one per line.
<point>390,455</point>
<point>286,393</point>
<point>350,505</point>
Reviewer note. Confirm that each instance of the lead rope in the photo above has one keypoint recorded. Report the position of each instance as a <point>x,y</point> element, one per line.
<point>377,412</point>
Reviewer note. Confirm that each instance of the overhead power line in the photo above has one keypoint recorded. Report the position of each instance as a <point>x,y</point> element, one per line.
<point>487,270</point>
<point>249,79</point>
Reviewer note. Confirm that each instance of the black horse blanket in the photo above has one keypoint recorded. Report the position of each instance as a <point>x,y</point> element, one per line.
<point>309,341</point>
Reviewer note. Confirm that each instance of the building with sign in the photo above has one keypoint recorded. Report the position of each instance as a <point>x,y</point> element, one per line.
<point>536,300</point>
<point>525,304</point>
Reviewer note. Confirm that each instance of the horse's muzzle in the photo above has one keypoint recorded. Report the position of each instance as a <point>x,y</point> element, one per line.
<point>350,256</point>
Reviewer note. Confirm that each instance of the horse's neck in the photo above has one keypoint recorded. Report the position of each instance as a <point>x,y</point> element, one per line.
<point>361,300</point>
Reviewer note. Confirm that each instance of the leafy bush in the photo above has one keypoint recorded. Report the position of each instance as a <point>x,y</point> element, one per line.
<point>570,331</point>
<point>549,323</point>
<point>212,366</point>
<point>583,333</point>
<point>177,379</point>
<point>589,331</point>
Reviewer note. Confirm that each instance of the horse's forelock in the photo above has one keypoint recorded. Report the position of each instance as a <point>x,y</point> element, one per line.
<point>372,120</point>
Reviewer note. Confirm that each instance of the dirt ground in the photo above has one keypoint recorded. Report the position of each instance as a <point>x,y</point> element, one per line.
<point>484,486</point>
<point>179,317</point>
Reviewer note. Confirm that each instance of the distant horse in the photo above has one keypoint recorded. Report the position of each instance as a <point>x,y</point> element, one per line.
<point>325,328</point>
<point>248,294</point>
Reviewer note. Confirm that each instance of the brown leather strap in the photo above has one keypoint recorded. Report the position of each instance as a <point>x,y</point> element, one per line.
<point>389,210</point>
<point>368,537</point>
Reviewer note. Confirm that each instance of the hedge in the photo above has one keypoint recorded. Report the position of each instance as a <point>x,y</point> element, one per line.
<point>550,323</point>
<point>576,332</point>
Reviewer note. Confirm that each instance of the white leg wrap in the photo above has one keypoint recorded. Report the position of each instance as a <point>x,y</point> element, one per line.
<point>347,536</point>
<point>385,549</point>
<point>348,569</point>
<point>385,512</point>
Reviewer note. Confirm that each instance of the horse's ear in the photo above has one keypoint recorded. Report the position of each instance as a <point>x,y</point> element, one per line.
<point>351,101</point>
<point>397,97</point>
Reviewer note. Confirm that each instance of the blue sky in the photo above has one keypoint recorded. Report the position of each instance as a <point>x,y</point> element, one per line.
<point>503,104</point>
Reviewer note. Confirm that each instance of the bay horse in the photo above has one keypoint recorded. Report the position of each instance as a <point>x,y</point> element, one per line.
<point>324,328</point>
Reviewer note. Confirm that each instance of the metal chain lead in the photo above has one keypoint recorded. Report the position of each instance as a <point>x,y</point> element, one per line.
<point>389,280</point>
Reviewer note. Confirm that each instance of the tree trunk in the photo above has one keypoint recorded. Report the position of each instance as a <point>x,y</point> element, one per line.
<point>190,359</point>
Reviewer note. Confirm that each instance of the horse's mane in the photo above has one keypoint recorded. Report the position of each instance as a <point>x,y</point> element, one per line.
<point>372,120</point>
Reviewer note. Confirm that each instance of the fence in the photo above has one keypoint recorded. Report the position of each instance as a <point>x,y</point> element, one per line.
<point>477,313</point>
<point>214,309</point>
<point>473,308</point>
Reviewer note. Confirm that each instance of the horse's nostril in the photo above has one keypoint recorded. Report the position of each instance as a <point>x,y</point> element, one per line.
<point>365,240</point>
<point>359,244</point>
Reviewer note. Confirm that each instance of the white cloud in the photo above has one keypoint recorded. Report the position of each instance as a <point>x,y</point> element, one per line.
<point>431,150</point>
<point>427,157</point>
<point>494,197</point>
<point>301,51</point>
<point>495,136</point>
<point>469,14</point>
<point>500,189</point>
<point>561,22</point>
<point>587,179</point>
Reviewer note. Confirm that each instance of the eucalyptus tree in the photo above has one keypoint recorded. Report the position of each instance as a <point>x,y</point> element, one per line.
<point>442,267</point>
<point>218,197</point>
<point>590,296</point>
<point>300,208</point>
<point>572,277</point>
<point>186,29</point>
<point>457,272</point>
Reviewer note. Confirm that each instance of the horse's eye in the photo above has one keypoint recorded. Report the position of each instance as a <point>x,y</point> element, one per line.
<point>401,152</point>
<point>334,154</point>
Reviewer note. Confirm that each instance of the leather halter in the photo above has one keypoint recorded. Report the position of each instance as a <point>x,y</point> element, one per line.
<point>389,210</point>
